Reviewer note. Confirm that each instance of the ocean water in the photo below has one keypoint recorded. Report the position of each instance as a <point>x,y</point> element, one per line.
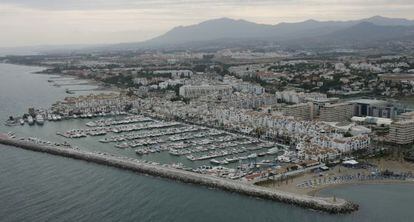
<point>42,187</point>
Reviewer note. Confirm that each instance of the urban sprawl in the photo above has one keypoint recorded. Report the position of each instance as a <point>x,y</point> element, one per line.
<point>294,110</point>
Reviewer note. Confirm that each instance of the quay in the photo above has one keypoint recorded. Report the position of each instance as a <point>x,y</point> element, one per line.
<point>330,205</point>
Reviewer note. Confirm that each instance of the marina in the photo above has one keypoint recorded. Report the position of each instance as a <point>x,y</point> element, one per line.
<point>202,149</point>
<point>139,191</point>
<point>317,203</point>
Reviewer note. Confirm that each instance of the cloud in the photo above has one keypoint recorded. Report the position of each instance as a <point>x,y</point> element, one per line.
<point>145,4</point>
<point>28,22</point>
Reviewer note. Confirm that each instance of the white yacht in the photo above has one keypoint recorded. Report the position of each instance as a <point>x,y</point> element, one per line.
<point>39,119</point>
<point>30,120</point>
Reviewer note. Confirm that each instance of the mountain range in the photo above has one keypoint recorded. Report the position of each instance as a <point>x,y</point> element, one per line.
<point>225,31</point>
<point>375,32</point>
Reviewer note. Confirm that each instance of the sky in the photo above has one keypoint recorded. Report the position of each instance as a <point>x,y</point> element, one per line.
<point>57,22</point>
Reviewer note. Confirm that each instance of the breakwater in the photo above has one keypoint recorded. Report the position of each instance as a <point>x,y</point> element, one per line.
<point>318,203</point>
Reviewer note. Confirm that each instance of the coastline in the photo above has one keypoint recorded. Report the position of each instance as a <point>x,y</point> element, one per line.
<point>316,191</point>
<point>92,82</point>
<point>325,204</point>
<point>292,184</point>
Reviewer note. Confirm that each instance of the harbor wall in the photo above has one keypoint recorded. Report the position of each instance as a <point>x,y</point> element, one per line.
<point>317,203</point>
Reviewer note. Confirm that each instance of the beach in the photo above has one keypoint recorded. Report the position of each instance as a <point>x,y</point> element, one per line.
<point>345,176</point>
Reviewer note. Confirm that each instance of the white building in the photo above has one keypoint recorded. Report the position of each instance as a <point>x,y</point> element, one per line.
<point>189,91</point>
<point>175,73</point>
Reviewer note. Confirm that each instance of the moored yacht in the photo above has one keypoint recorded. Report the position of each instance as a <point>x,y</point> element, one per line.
<point>39,119</point>
<point>30,120</point>
<point>214,161</point>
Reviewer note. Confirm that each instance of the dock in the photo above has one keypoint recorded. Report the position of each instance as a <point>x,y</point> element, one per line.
<point>330,205</point>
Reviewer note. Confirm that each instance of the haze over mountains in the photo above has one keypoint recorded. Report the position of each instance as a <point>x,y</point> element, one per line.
<point>221,30</point>
<point>226,32</point>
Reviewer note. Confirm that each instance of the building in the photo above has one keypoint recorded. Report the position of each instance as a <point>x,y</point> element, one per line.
<point>189,91</point>
<point>338,112</point>
<point>375,108</point>
<point>402,132</point>
<point>247,87</point>
<point>175,73</point>
<point>407,115</point>
<point>301,111</point>
<point>299,97</point>
<point>140,81</point>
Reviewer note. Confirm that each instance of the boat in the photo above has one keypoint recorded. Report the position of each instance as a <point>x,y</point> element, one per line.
<point>283,159</point>
<point>272,151</point>
<point>252,156</point>
<point>69,92</point>
<point>21,122</point>
<point>105,140</point>
<point>224,162</point>
<point>39,119</point>
<point>91,124</point>
<point>215,162</point>
<point>122,145</point>
<point>139,152</point>
<point>232,159</point>
<point>30,120</point>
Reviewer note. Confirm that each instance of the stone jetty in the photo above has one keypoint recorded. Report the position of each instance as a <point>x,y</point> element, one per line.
<point>330,205</point>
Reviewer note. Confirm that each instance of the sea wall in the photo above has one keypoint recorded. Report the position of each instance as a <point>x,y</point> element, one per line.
<point>316,203</point>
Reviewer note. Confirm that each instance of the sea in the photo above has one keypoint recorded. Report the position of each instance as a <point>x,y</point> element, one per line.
<point>42,187</point>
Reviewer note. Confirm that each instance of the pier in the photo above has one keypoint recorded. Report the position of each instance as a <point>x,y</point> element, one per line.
<point>330,205</point>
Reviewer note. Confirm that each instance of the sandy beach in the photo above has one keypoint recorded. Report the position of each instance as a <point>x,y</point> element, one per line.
<point>291,184</point>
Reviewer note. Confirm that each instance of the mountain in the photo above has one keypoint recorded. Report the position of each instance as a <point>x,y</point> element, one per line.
<point>225,32</point>
<point>236,31</point>
<point>223,28</point>
<point>379,20</point>
<point>366,31</point>
<point>360,35</point>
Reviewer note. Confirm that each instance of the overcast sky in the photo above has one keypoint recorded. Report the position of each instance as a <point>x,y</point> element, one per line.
<point>51,22</point>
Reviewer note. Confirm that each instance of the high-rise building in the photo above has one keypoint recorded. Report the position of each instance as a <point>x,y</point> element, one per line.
<point>338,112</point>
<point>402,132</point>
<point>302,111</point>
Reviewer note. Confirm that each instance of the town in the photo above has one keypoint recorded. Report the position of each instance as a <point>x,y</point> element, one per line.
<point>256,114</point>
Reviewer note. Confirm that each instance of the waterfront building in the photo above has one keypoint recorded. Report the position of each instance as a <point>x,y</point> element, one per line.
<point>343,144</point>
<point>402,132</point>
<point>407,115</point>
<point>308,151</point>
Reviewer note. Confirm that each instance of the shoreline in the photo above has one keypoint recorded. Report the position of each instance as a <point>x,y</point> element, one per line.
<point>92,82</point>
<point>325,204</point>
<point>318,190</point>
<point>307,183</point>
